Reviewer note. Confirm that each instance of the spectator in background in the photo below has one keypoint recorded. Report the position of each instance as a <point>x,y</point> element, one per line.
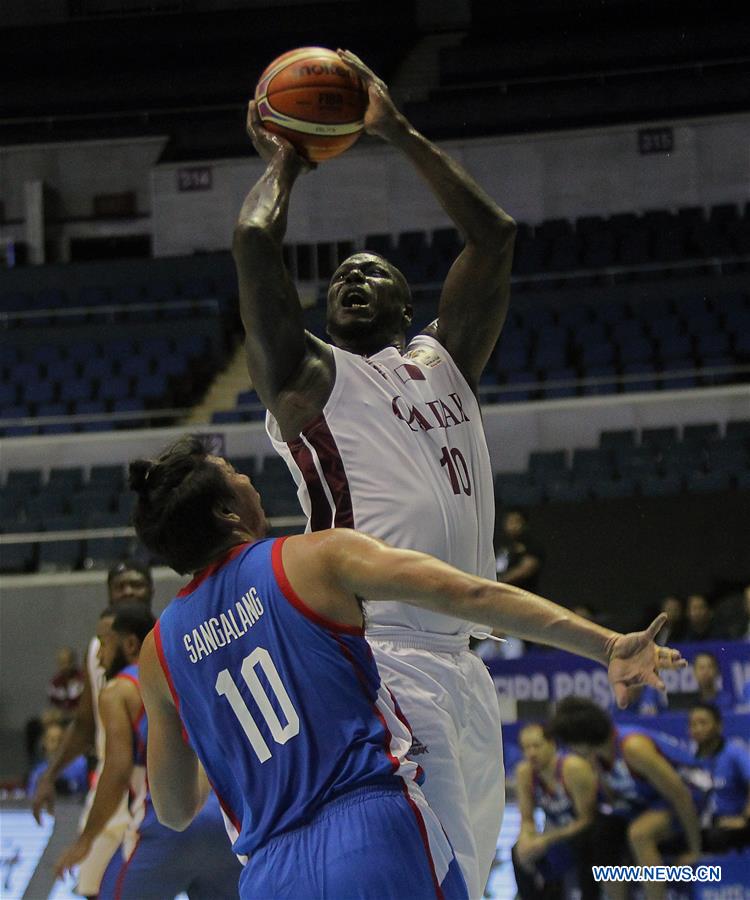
<point>519,557</point>
<point>674,628</point>
<point>564,787</point>
<point>66,685</point>
<point>708,679</point>
<point>700,620</point>
<point>74,777</point>
<point>728,811</point>
<point>63,692</point>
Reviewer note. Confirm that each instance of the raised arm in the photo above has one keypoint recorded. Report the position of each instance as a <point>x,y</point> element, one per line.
<point>330,568</point>
<point>115,777</point>
<point>475,296</point>
<point>280,357</point>
<point>178,786</point>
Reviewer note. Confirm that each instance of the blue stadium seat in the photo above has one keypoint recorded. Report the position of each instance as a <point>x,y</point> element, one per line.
<point>173,365</point>
<point>738,428</point>
<point>556,391</point>
<point>664,327</point>
<point>536,318</point>
<point>93,296</point>
<point>701,433</point>
<point>38,392</point>
<point>717,369</point>
<point>68,478</point>
<point>610,311</point>
<point>8,394</point>
<point>76,389</point>
<point>596,355</point>
<point>128,405</point>
<point>626,331</point>
<point>17,558</point>
<point>702,324</point>
<point>114,388</point>
<point>691,305</point>
<point>59,556</point>
<point>712,344</point>
<point>200,287</point>
<point>649,381</point>
<point>156,347</point>
<point>110,477</point>
<point>152,388</point>
<point>589,335</point>
<point>15,411</point>
<point>728,455</point>
<point>607,382</point>
<point>120,348</point>
<point>101,553</point>
<point>566,490</point>
<point>26,372</point>
<point>82,351</point>
<point>380,243</point>
<point>632,461</point>
<point>228,416</point>
<point>98,367</point>
<point>25,481</point>
<point>62,370</point>
<point>551,356</point>
<point>245,465</point>
<point>638,350</point>
<point>659,439</point>
<point>709,482</point>
<point>135,367</point>
<point>511,359</point>
<point>677,346</point>
<point>543,462</point>
<point>655,485</point>
<point>44,354</point>
<point>614,489</point>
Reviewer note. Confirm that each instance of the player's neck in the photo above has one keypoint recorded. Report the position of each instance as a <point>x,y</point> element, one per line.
<point>370,348</point>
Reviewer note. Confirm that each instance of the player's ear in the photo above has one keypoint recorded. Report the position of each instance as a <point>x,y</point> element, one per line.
<point>226,515</point>
<point>408,314</point>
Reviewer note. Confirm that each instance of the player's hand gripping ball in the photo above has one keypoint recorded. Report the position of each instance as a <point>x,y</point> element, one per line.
<point>310,97</point>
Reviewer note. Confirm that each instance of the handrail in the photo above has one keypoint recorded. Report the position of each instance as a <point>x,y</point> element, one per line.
<point>84,534</point>
<point>209,303</point>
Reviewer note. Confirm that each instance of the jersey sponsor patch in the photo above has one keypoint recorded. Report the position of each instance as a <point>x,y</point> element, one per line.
<point>425,356</point>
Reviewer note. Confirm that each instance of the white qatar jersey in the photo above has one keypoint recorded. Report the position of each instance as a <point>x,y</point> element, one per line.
<point>399,452</point>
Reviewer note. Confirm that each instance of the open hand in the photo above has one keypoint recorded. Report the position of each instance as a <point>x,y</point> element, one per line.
<point>269,144</point>
<point>75,854</point>
<point>381,115</point>
<point>635,659</point>
<point>44,798</point>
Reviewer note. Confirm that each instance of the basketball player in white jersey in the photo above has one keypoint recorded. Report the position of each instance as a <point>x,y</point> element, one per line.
<point>387,438</point>
<point>127,581</point>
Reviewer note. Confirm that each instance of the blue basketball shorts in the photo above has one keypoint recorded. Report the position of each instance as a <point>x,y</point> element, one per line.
<point>374,843</point>
<point>163,863</point>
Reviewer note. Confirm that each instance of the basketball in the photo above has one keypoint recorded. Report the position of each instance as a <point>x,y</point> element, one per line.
<point>310,97</point>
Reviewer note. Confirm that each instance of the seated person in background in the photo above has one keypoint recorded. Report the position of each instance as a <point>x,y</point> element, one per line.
<point>66,685</point>
<point>649,786</point>
<point>64,691</point>
<point>564,786</point>
<point>708,678</point>
<point>701,624</point>
<point>727,813</point>
<point>675,626</point>
<point>74,778</point>
<point>519,556</point>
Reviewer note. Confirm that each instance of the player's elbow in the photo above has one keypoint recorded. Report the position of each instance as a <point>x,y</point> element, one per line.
<point>250,238</point>
<point>176,817</point>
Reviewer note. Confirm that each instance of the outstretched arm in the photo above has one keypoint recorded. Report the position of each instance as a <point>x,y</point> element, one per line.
<point>178,786</point>
<point>330,568</point>
<point>275,342</point>
<point>475,296</point>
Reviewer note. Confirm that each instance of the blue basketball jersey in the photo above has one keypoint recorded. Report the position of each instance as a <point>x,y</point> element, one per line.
<point>628,793</point>
<point>284,708</point>
<point>555,801</point>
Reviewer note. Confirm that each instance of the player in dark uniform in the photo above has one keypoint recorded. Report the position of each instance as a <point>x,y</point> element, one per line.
<point>651,787</point>
<point>263,662</point>
<point>564,786</point>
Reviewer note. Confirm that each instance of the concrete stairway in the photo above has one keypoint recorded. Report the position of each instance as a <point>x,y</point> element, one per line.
<point>223,392</point>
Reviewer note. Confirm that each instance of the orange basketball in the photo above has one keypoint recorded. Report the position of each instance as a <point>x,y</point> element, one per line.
<point>315,101</point>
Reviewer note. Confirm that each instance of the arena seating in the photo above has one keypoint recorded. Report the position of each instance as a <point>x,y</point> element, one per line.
<point>658,462</point>
<point>520,69</point>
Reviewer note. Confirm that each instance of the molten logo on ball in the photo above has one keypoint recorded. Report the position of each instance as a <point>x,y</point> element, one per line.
<point>313,100</point>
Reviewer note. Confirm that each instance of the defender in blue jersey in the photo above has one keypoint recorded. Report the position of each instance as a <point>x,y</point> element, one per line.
<point>260,671</point>
<point>154,862</point>
<point>564,787</point>
<point>651,787</point>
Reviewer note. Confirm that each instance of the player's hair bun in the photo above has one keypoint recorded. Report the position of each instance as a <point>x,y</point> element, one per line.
<point>138,473</point>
